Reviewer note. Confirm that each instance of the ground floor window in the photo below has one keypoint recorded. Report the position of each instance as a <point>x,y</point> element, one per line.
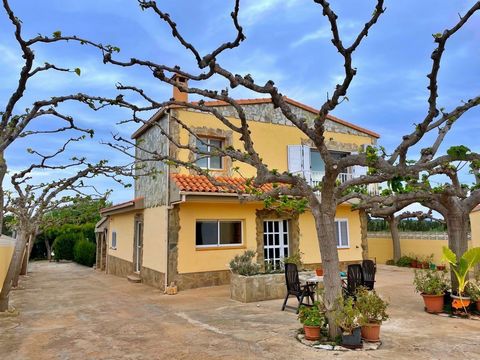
<point>275,241</point>
<point>218,233</point>
<point>341,233</point>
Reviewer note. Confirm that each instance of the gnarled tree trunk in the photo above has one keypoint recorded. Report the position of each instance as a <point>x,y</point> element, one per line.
<point>12,269</point>
<point>364,232</point>
<point>393,224</point>
<point>457,228</point>
<point>324,215</point>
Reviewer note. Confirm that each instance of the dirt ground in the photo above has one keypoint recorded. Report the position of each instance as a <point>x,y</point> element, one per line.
<point>68,311</point>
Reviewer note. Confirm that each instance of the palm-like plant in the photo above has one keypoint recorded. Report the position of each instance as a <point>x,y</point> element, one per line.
<point>461,267</point>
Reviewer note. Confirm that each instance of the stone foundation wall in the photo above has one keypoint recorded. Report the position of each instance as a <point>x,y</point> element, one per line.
<point>257,288</point>
<point>152,278</point>
<point>202,279</point>
<point>119,267</point>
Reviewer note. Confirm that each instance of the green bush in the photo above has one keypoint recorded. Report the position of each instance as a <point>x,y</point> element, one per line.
<point>404,261</point>
<point>63,245</point>
<point>84,252</point>
<point>430,282</point>
<point>244,265</point>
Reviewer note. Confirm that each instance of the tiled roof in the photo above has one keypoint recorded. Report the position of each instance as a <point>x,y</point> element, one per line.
<point>476,208</point>
<point>199,183</point>
<point>154,118</point>
<point>138,202</point>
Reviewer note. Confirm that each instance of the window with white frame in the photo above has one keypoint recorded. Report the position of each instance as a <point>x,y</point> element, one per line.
<point>341,233</point>
<point>218,233</point>
<point>275,241</point>
<point>209,145</point>
<point>114,240</point>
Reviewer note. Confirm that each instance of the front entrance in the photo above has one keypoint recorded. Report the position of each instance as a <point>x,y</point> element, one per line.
<point>275,241</point>
<point>137,250</point>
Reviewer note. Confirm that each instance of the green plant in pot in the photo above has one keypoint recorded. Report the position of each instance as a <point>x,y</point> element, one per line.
<point>461,267</point>
<point>431,285</point>
<point>473,291</point>
<point>372,313</point>
<point>313,319</point>
<point>348,318</point>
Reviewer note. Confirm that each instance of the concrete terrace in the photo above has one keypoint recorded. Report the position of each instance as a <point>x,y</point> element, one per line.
<point>72,312</point>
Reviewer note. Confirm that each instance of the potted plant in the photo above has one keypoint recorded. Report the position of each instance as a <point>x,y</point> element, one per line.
<point>319,271</point>
<point>414,262</point>
<point>348,318</point>
<point>473,291</point>
<point>461,268</point>
<point>372,311</point>
<point>432,286</point>
<point>441,267</point>
<point>313,320</point>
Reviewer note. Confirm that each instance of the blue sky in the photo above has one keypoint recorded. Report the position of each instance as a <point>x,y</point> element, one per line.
<point>287,41</point>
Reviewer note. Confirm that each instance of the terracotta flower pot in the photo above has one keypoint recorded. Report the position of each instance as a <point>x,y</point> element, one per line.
<point>460,302</point>
<point>414,263</point>
<point>441,267</point>
<point>319,272</point>
<point>312,332</point>
<point>371,332</point>
<point>433,303</point>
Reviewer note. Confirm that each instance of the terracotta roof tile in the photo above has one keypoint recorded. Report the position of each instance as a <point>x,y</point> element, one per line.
<point>200,183</point>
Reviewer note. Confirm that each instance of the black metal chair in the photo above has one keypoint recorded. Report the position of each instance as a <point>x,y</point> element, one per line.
<point>295,288</point>
<point>354,279</point>
<point>369,269</point>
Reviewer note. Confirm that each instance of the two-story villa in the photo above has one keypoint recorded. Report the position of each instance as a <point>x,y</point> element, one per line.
<point>182,228</point>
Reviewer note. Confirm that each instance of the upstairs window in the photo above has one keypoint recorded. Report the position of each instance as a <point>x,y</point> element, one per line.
<point>218,233</point>
<point>341,233</point>
<point>209,145</point>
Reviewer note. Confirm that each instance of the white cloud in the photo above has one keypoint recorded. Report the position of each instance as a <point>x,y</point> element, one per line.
<point>323,33</point>
<point>255,9</point>
<point>345,28</point>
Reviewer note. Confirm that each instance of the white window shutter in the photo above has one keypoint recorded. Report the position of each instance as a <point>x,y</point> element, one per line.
<point>295,159</point>
<point>306,163</point>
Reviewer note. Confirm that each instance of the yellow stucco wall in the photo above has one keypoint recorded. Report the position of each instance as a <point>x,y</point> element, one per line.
<point>6,251</point>
<point>382,248</point>
<point>154,238</point>
<point>123,225</point>
<point>475,228</point>
<point>284,135</point>
<point>309,243</point>
<point>191,259</point>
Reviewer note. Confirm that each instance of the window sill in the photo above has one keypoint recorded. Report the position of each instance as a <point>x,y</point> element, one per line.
<point>343,247</point>
<point>112,248</point>
<point>208,248</point>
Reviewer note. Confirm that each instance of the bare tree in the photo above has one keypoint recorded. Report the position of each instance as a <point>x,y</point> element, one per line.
<point>383,166</point>
<point>30,201</point>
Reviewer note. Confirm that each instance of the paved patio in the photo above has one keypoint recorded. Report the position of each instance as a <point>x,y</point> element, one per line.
<point>72,312</point>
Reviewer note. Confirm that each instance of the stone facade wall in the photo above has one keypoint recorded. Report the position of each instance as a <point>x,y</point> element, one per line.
<point>153,188</point>
<point>267,113</point>
<point>152,278</point>
<point>119,267</point>
<point>257,288</point>
<point>202,279</point>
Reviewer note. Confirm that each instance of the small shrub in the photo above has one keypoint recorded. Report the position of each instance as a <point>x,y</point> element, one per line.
<point>371,306</point>
<point>348,316</point>
<point>430,282</point>
<point>63,245</point>
<point>244,264</point>
<point>311,315</point>
<point>390,262</point>
<point>405,261</point>
<point>84,253</point>
<point>295,258</point>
